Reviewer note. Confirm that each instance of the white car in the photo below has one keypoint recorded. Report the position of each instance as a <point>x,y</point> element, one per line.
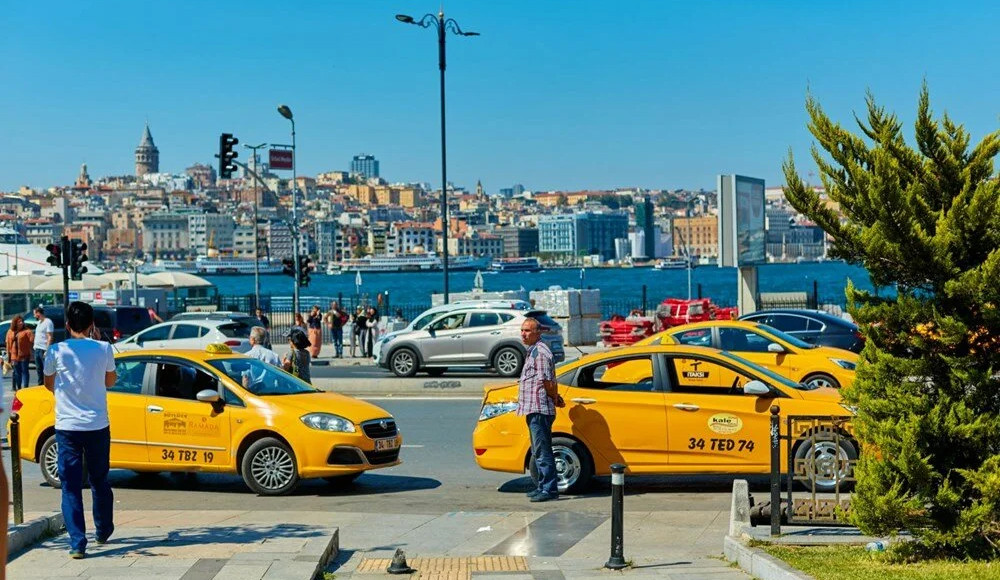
<point>190,334</point>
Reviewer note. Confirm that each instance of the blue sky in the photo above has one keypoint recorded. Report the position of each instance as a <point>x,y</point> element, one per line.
<point>553,95</point>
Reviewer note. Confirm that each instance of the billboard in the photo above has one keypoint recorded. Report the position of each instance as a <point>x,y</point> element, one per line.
<point>742,238</point>
<point>280,158</point>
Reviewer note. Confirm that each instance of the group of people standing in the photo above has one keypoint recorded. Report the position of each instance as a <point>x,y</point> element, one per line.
<point>362,327</point>
<point>25,345</point>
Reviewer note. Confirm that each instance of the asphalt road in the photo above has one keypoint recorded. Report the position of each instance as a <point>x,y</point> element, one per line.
<point>438,475</point>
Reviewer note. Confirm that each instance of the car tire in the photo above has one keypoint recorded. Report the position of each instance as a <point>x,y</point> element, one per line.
<point>48,462</point>
<point>342,480</point>
<point>507,361</point>
<point>574,468</point>
<point>436,371</point>
<point>269,467</point>
<point>826,455</point>
<point>821,380</point>
<point>403,362</point>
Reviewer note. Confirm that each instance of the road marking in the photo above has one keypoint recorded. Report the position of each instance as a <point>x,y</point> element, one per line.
<point>413,446</point>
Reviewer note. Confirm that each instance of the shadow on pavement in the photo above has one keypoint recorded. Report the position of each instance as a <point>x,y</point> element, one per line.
<point>193,536</point>
<point>367,484</point>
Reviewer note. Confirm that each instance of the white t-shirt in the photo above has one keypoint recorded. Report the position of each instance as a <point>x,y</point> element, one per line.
<point>42,333</point>
<point>79,365</point>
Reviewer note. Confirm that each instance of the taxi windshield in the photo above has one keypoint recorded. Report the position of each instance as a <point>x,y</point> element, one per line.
<point>796,342</point>
<point>773,376</point>
<point>261,378</point>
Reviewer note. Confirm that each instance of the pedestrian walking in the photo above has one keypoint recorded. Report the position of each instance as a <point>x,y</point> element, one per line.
<point>266,325</point>
<point>358,330</point>
<point>43,340</point>
<point>79,371</point>
<point>537,399</point>
<point>20,348</point>
<point>372,324</point>
<point>315,325</point>
<point>297,361</point>
<point>258,350</point>
<point>335,320</point>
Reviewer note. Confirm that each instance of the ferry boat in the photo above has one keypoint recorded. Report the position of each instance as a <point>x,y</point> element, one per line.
<point>405,263</point>
<point>680,263</point>
<point>203,265</point>
<point>516,265</point>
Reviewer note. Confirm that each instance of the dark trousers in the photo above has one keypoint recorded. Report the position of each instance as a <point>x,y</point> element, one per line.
<point>338,340</point>
<point>39,364</point>
<point>22,373</point>
<point>73,448</point>
<point>540,429</point>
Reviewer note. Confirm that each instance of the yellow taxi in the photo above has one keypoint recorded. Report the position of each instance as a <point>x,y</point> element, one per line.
<point>820,366</point>
<point>666,409</point>
<point>219,412</point>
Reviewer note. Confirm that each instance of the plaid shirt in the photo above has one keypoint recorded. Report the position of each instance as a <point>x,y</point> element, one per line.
<point>537,369</point>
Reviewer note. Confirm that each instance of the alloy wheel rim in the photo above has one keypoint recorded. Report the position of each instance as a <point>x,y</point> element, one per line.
<point>507,362</point>
<point>272,468</point>
<point>829,463</point>
<point>820,383</point>
<point>568,467</point>
<point>52,461</point>
<point>403,362</point>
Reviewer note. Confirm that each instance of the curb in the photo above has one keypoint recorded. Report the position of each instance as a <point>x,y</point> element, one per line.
<point>758,563</point>
<point>22,536</point>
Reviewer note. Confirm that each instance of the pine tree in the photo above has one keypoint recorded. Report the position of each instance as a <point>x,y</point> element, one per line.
<point>923,221</point>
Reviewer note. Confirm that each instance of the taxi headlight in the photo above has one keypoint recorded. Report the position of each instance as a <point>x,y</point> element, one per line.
<point>844,364</point>
<point>491,410</point>
<point>328,422</point>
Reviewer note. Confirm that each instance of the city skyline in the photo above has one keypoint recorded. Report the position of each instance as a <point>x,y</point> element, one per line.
<point>661,95</point>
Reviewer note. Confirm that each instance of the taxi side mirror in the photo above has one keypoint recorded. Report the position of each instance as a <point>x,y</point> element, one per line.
<point>756,388</point>
<point>775,347</point>
<point>208,396</point>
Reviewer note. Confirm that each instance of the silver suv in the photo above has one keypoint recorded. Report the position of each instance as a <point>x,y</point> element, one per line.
<point>472,337</point>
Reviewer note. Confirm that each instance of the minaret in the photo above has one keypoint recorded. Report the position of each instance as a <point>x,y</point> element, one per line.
<point>479,190</point>
<point>83,180</point>
<point>147,156</point>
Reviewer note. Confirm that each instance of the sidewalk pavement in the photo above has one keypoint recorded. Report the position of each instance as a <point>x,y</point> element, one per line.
<point>271,545</point>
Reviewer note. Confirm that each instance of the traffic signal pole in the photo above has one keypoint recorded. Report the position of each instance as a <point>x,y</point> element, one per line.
<point>66,258</point>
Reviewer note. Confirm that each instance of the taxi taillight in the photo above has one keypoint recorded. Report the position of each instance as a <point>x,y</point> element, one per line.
<point>16,405</point>
<point>116,335</point>
<point>232,343</point>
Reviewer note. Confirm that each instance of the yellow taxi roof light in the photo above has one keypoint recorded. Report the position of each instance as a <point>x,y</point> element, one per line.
<point>217,348</point>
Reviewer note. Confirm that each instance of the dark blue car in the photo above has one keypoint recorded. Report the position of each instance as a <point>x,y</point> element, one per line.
<point>813,326</point>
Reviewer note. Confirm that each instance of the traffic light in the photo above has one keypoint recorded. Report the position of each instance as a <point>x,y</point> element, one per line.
<point>76,259</point>
<point>288,267</point>
<point>226,155</point>
<point>305,267</point>
<point>55,255</point>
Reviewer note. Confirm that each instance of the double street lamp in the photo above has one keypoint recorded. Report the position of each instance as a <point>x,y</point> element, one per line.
<point>287,113</point>
<point>256,240</point>
<point>443,27</point>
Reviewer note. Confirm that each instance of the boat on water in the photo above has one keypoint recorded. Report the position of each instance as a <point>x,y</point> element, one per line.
<point>203,265</point>
<point>406,263</point>
<point>680,263</point>
<point>516,265</point>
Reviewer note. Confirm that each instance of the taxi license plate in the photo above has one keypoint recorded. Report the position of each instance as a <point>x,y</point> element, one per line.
<point>385,444</point>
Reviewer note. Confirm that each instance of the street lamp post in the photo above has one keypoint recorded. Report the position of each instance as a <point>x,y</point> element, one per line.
<point>443,27</point>
<point>287,113</point>
<point>256,242</point>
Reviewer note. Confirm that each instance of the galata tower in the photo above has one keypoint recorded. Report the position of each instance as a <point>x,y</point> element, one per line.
<point>147,156</point>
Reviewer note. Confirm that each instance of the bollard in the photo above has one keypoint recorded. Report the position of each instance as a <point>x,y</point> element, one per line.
<point>15,468</point>
<point>775,471</point>
<point>643,299</point>
<point>617,560</point>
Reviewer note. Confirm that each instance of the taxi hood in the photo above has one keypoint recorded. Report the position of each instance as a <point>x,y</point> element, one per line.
<point>503,390</point>
<point>323,402</point>
<point>826,395</point>
<point>831,352</point>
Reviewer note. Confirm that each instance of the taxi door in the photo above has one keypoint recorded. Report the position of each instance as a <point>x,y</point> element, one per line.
<point>127,412</point>
<point>712,425</point>
<point>185,434</point>
<point>615,406</point>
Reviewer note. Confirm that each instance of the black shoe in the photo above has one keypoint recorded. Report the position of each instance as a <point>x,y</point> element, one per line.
<point>533,493</point>
<point>77,554</point>
<point>544,496</point>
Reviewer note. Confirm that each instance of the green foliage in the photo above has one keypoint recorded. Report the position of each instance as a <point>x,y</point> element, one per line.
<point>924,221</point>
<point>854,563</point>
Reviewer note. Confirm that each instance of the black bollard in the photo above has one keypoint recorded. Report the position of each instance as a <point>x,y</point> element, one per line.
<point>15,468</point>
<point>643,299</point>
<point>617,560</point>
<point>775,471</point>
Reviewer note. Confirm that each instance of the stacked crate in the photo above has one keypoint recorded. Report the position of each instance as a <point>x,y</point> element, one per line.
<point>577,311</point>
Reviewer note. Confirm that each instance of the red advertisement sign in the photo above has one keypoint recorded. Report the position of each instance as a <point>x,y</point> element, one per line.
<point>280,158</point>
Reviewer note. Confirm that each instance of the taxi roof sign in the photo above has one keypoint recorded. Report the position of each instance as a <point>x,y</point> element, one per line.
<point>218,348</point>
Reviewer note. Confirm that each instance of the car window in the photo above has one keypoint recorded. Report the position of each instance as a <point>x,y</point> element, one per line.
<point>102,318</point>
<point>483,319</point>
<point>788,322</point>
<point>505,317</point>
<point>815,325</point>
<point>130,376</point>
<point>792,340</point>
<point>767,374</point>
<point>157,333</point>
<point>261,378</point>
<point>449,322</point>
<point>131,320</point>
<point>691,374</point>
<point>742,340</point>
<point>181,381</point>
<point>423,321</point>
<point>232,398</point>
<point>235,330</point>
<point>695,337</point>
<point>543,319</point>
<point>624,374</point>
<point>182,331</point>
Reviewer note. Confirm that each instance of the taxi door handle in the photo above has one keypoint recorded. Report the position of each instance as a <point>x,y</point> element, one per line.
<point>457,336</point>
<point>495,332</point>
<point>584,401</point>
<point>687,407</point>
<point>154,409</point>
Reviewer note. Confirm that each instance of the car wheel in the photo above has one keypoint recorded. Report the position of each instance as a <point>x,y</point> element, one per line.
<point>48,461</point>
<point>269,468</point>
<point>342,480</point>
<point>404,363</point>
<point>574,468</point>
<point>828,460</point>
<point>436,371</point>
<point>507,361</point>
<point>821,380</point>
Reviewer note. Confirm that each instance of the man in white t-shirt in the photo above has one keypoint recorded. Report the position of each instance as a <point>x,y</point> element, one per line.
<point>43,339</point>
<point>79,371</point>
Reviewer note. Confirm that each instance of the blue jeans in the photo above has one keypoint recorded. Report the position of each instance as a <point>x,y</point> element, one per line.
<point>338,340</point>
<point>22,374</point>
<point>95,446</point>
<point>540,428</point>
<point>40,364</point>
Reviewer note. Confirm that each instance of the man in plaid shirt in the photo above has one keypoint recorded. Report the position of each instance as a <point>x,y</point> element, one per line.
<point>538,398</point>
